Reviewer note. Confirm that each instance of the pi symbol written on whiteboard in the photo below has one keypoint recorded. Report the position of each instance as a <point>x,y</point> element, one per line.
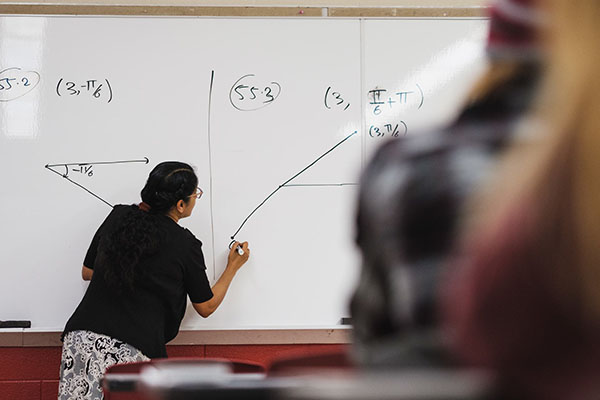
<point>249,93</point>
<point>383,100</point>
<point>94,88</point>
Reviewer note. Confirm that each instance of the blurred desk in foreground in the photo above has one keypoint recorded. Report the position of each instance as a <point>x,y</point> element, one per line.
<point>164,382</point>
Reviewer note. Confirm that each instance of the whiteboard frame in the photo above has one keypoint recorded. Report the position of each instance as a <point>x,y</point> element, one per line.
<point>251,11</point>
<point>20,337</point>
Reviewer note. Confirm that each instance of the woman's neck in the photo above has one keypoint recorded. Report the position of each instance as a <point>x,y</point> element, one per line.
<point>173,215</point>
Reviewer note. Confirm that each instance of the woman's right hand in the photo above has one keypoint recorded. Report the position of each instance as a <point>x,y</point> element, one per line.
<point>219,289</point>
<point>235,260</point>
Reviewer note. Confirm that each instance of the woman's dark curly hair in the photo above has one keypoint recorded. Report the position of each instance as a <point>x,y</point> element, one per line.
<point>136,236</point>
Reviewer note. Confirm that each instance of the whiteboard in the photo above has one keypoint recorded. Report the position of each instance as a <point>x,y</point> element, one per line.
<point>274,114</point>
<point>421,81</point>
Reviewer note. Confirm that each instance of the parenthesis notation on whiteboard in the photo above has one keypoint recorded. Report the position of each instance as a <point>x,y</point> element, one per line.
<point>94,87</point>
<point>335,99</point>
<point>392,130</point>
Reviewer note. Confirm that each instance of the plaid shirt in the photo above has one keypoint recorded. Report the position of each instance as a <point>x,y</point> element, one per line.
<point>410,203</point>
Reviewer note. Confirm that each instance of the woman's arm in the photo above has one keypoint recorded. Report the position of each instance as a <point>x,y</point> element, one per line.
<point>86,273</point>
<point>234,263</point>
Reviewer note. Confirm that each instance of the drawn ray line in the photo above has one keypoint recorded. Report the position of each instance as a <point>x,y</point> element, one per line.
<point>51,167</point>
<point>320,184</point>
<point>145,161</point>
<point>77,184</point>
<point>289,180</point>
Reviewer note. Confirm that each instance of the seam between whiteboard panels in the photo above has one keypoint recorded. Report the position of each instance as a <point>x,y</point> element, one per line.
<point>363,120</point>
<point>210,179</point>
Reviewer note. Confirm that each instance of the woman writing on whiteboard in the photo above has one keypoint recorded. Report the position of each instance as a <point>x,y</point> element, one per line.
<point>142,265</point>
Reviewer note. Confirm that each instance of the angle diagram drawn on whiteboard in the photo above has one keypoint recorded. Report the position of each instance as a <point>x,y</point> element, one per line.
<point>87,168</point>
<point>287,184</point>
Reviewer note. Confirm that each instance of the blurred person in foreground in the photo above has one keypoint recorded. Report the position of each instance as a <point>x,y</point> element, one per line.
<point>524,299</point>
<point>412,195</point>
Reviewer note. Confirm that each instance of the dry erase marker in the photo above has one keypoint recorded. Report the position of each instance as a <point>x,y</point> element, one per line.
<point>239,249</point>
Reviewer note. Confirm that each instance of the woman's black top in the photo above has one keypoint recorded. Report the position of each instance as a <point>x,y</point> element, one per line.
<point>150,315</point>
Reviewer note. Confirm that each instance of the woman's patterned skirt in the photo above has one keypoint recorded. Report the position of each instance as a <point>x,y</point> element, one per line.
<point>85,357</point>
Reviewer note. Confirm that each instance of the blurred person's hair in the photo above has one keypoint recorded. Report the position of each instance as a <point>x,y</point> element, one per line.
<point>558,176</point>
<point>512,47</point>
<point>498,73</point>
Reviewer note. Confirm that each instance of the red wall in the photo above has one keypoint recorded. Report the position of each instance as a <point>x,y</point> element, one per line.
<point>31,373</point>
